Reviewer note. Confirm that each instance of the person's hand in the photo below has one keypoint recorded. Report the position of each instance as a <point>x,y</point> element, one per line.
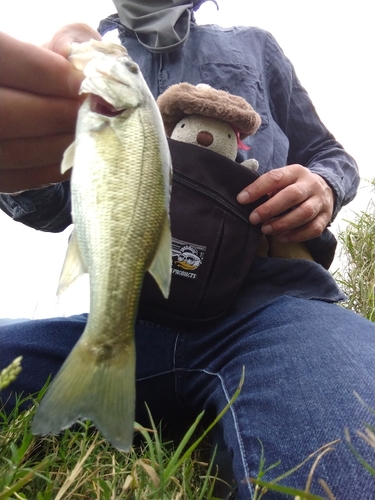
<point>39,103</point>
<point>299,207</point>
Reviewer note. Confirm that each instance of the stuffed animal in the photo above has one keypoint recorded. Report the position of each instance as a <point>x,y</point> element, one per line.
<point>209,118</point>
<point>219,121</point>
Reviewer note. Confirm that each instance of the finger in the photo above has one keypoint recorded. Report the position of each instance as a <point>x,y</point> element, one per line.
<point>294,218</point>
<point>312,229</point>
<point>283,202</point>
<point>35,69</point>
<point>77,32</point>
<point>33,152</point>
<point>15,180</point>
<point>272,181</point>
<point>29,115</point>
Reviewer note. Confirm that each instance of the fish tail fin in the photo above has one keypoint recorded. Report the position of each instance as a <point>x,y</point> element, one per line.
<point>92,386</point>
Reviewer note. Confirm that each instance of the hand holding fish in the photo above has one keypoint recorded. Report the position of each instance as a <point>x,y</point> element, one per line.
<point>39,103</point>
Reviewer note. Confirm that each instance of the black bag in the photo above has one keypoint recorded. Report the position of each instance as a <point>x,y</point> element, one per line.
<point>213,245</point>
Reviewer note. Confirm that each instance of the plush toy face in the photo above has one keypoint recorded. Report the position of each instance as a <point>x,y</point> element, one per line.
<point>207,132</point>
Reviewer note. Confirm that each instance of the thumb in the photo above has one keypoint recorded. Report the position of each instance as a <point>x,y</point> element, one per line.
<point>77,32</point>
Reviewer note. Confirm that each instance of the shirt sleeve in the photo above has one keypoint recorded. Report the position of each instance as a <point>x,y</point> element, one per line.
<point>47,209</point>
<point>310,143</point>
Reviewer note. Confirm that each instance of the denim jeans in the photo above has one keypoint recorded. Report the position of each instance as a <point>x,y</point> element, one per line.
<point>303,361</point>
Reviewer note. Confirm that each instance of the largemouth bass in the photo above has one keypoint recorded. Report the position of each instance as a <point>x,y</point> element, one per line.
<point>120,188</point>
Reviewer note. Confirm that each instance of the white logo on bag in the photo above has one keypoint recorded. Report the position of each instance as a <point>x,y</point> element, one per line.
<point>186,258</point>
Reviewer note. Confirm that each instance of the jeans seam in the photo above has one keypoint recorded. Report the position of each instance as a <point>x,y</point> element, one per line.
<point>235,420</point>
<point>154,375</point>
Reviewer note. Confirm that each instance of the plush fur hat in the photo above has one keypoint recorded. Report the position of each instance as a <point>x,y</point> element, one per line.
<point>183,99</point>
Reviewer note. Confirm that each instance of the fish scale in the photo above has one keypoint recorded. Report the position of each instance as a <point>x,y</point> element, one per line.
<point>120,191</point>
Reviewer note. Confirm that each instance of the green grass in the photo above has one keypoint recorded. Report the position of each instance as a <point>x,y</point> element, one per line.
<point>357,274</point>
<point>79,464</point>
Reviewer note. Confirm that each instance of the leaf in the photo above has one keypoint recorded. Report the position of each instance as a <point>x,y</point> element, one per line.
<point>26,479</point>
<point>150,471</point>
<point>286,489</point>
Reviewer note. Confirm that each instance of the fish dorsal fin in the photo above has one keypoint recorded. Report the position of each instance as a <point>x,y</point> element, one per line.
<point>68,158</point>
<point>73,266</point>
<point>161,266</point>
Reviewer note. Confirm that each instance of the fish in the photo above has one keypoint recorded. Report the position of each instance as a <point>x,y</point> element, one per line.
<point>120,192</point>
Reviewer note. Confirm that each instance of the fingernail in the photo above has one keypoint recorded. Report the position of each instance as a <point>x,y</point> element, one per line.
<point>267,229</point>
<point>283,239</point>
<point>243,197</point>
<point>254,218</point>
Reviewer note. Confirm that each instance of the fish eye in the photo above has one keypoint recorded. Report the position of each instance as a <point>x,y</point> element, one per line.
<point>230,137</point>
<point>182,125</point>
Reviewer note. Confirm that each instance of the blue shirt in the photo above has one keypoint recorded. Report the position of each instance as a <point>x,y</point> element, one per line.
<point>248,62</point>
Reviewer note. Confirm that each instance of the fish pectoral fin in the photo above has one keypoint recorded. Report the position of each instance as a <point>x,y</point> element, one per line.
<point>73,266</point>
<point>91,386</point>
<point>68,158</point>
<point>161,266</point>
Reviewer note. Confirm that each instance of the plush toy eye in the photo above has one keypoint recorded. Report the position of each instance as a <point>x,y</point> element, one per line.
<point>183,125</point>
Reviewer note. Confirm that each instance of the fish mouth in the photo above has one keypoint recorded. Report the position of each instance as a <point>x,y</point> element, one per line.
<point>102,107</point>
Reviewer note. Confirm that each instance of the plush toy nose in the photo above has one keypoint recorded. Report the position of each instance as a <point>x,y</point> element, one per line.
<point>205,138</point>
